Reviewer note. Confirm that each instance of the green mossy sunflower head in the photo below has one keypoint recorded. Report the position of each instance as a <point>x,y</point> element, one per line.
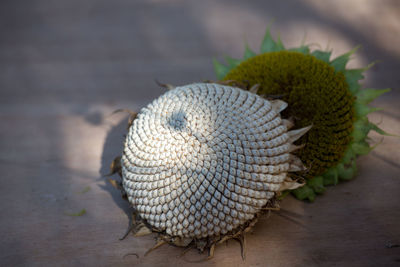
<point>320,92</point>
<point>316,94</point>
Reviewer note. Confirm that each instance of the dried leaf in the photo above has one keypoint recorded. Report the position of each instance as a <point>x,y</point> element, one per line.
<point>85,190</point>
<point>77,214</point>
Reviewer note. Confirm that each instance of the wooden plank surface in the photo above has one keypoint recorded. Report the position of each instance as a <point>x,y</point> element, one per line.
<point>65,66</point>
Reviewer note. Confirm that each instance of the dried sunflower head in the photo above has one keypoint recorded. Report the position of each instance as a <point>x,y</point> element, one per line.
<point>203,160</point>
<point>319,91</point>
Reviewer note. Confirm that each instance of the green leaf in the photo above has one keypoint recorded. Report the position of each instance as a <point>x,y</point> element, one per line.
<point>269,45</point>
<point>248,53</point>
<point>352,78</point>
<point>80,213</point>
<point>317,184</point>
<point>347,173</point>
<point>280,46</point>
<point>363,126</point>
<point>362,109</point>
<point>220,69</point>
<point>348,156</point>
<point>302,49</point>
<point>340,62</point>
<point>361,148</point>
<point>359,135</point>
<point>331,177</point>
<point>322,55</point>
<point>367,95</point>
<point>361,129</point>
<point>375,128</point>
<point>304,193</point>
<point>233,62</point>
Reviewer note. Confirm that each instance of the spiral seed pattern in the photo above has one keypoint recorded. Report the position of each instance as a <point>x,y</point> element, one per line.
<point>203,159</point>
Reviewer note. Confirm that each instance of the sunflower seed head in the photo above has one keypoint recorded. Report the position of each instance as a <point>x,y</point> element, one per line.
<point>203,159</point>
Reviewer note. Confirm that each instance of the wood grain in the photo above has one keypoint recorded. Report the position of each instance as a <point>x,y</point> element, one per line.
<point>65,66</point>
